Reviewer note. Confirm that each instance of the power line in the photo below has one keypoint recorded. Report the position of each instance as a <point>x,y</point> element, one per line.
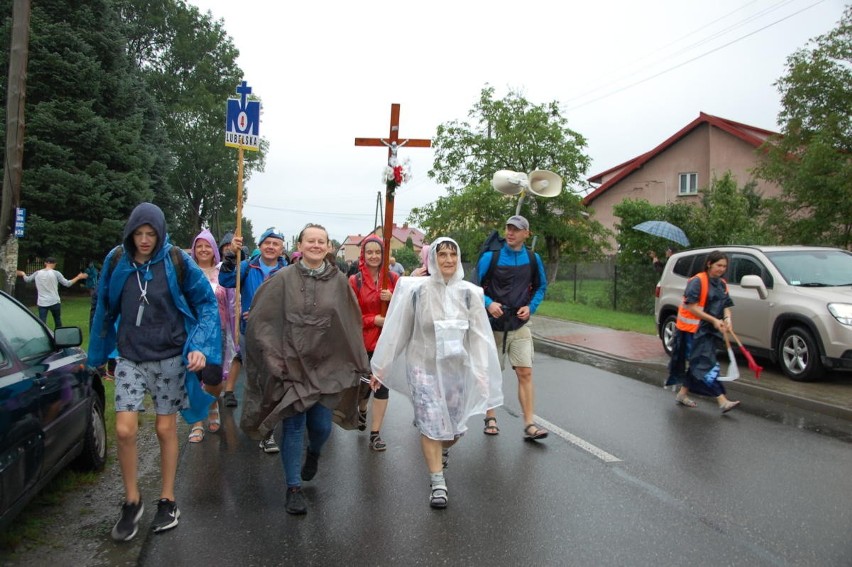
<point>702,55</point>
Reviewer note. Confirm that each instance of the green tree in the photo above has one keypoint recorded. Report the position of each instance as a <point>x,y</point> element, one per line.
<point>407,257</point>
<point>189,64</point>
<point>88,153</point>
<point>811,160</point>
<point>514,134</point>
<point>730,215</point>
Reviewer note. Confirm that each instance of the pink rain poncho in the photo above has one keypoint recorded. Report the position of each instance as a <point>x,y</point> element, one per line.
<point>437,338</point>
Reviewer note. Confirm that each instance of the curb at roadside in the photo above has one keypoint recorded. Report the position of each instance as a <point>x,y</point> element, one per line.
<point>655,373</point>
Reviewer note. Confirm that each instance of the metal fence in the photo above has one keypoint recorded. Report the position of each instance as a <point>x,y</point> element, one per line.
<point>607,284</point>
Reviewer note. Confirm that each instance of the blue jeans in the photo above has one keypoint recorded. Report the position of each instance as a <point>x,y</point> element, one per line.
<point>318,421</point>
<point>55,309</point>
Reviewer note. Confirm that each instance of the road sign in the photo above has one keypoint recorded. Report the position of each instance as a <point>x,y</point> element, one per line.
<point>20,221</point>
<point>242,121</point>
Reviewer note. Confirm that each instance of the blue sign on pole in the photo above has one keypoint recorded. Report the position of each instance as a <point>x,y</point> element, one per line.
<point>242,121</point>
<point>20,221</point>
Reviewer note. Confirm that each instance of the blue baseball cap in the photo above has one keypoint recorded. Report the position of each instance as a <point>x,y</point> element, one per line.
<point>270,233</point>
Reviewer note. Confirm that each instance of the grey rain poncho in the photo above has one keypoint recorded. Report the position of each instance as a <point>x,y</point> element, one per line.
<point>436,334</point>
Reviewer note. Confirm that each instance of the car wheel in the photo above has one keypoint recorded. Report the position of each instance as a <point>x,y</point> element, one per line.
<point>93,457</point>
<point>799,355</point>
<point>667,333</point>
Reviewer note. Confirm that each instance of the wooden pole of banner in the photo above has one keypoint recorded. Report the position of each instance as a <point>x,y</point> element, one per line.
<point>238,232</point>
<point>393,144</point>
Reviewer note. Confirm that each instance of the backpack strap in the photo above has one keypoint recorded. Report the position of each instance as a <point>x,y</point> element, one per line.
<point>535,280</point>
<point>177,261</point>
<point>486,277</point>
<point>118,252</point>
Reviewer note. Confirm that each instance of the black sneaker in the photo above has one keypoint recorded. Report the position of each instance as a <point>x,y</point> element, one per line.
<point>230,400</point>
<point>128,523</point>
<point>269,445</point>
<point>295,503</point>
<point>167,516</point>
<point>309,469</point>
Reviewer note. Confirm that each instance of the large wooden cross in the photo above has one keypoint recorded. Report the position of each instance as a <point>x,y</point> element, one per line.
<point>393,143</point>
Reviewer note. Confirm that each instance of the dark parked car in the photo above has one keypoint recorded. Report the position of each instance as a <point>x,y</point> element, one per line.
<point>51,406</point>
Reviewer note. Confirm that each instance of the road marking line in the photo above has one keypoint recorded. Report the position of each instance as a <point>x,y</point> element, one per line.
<point>581,443</point>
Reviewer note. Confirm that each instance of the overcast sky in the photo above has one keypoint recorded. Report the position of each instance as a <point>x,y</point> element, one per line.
<point>627,74</point>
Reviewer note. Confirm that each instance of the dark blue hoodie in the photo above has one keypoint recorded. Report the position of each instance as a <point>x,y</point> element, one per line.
<point>174,309</point>
<point>152,329</point>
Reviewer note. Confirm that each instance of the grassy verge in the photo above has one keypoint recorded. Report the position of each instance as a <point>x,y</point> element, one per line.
<point>598,316</point>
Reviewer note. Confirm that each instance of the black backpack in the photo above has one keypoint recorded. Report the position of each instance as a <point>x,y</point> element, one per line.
<point>493,244</point>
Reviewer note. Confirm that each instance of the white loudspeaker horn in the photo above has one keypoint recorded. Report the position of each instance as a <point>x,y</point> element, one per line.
<point>510,182</point>
<point>544,183</point>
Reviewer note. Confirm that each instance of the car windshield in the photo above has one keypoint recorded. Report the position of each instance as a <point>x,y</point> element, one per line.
<point>814,268</point>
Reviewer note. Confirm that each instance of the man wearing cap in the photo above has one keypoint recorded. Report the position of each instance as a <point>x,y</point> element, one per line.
<point>47,282</point>
<point>514,288</point>
<point>253,272</point>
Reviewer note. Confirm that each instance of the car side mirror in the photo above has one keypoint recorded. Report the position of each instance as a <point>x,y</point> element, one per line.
<point>68,337</point>
<point>754,282</point>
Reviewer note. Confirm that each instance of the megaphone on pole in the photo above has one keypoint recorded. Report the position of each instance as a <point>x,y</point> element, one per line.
<point>510,182</point>
<point>545,183</point>
<point>541,183</point>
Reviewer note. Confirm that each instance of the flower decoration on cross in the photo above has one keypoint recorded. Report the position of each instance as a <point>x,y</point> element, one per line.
<point>396,174</point>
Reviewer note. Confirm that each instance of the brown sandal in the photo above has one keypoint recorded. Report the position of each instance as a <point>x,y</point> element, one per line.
<point>491,428</point>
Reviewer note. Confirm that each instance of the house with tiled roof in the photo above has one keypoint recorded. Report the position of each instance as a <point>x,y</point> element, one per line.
<point>351,248</point>
<point>677,168</point>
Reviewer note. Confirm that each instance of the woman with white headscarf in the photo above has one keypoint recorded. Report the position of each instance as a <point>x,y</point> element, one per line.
<point>436,336</point>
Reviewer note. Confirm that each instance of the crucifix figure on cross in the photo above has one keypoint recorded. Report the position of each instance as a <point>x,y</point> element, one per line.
<point>393,144</point>
<point>393,148</point>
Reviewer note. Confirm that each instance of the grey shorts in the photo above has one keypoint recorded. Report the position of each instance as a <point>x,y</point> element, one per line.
<point>519,347</point>
<point>163,379</point>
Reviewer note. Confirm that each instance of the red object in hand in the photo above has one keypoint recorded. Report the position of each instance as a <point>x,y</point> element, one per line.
<point>752,365</point>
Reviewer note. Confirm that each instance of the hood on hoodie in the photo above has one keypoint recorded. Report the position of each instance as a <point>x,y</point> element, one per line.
<point>226,241</point>
<point>145,213</point>
<point>208,236</point>
<point>362,262</point>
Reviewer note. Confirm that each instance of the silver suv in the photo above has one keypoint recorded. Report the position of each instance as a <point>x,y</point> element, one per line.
<point>792,304</point>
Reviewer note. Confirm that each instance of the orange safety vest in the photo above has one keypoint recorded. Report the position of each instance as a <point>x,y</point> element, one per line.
<point>686,321</point>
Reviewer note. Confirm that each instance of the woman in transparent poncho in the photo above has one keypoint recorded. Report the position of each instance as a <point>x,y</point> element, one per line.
<point>437,336</point>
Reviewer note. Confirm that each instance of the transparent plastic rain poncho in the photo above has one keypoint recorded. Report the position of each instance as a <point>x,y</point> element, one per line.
<point>436,337</point>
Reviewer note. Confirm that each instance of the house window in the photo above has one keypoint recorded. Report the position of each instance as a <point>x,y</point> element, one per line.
<point>688,184</point>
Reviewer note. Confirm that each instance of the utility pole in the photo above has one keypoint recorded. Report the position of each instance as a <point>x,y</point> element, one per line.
<point>14,154</point>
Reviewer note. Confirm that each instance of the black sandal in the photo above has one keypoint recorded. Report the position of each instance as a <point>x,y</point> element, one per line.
<point>537,432</point>
<point>491,428</point>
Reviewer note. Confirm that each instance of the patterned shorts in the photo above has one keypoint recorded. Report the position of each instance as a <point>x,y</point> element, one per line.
<point>163,379</point>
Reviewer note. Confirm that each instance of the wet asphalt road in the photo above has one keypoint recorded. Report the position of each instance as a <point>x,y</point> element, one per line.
<point>655,484</point>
